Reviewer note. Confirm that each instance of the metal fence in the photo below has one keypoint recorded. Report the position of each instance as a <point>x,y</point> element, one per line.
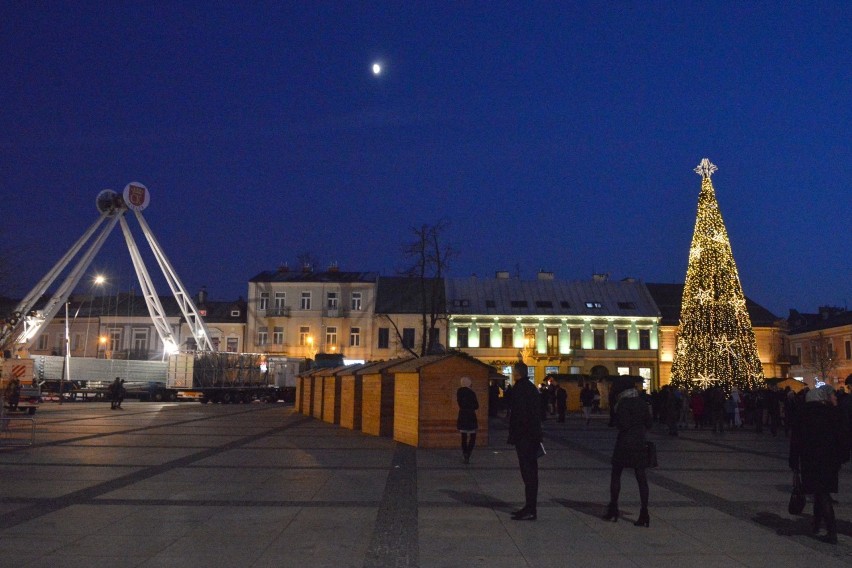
<point>17,431</point>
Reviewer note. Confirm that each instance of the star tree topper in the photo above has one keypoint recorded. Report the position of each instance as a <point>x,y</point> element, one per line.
<point>706,168</point>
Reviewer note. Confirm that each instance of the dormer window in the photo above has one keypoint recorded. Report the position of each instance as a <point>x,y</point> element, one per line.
<point>626,306</point>
<point>594,305</point>
<point>235,313</point>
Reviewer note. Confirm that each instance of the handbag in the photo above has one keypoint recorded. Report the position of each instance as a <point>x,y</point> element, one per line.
<point>797,496</point>
<point>651,451</point>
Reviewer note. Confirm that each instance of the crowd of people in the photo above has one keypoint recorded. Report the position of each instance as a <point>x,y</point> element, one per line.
<point>817,421</point>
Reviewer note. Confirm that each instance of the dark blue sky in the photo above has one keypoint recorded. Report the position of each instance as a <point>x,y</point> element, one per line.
<point>549,137</point>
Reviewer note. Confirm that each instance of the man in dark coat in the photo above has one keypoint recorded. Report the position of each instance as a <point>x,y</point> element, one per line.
<point>525,435</point>
<point>818,446</point>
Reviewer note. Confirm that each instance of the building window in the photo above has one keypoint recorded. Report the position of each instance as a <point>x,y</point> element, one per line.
<point>114,339</point>
<point>263,302</point>
<point>235,313</point>
<point>644,339</point>
<point>599,335</point>
<point>408,337</point>
<point>848,349</point>
<point>621,339</point>
<point>461,303</point>
<point>435,335</point>
<point>214,341</point>
<point>304,334</point>
<point>551,370</point>
<point>564,304</point>
<point>233,345</point>
<point>140,340</point>
<point>529,338</point>
<point>356,301</point>
<point>594,305</point>
<point>42,342</point>
<point>331,300</point>
<point>490,304</point>
<point>280,300</point>
<point>384,338</point>
<point>262,336</point>
<point>552,341</point>
<point>508,337</point>
<point>575,339</point>
<point>191,345</point>
<point>462,335</point>
<point>78,339</point>
<point>331,336</point>
<point>305,303</point>
<point>622,370</point>
<point>355,337</point>
<point>485,337</point>
<point>626,306</point>
<point>277,335</point>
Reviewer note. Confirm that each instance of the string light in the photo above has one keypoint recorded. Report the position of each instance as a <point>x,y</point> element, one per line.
<point>716,344</point>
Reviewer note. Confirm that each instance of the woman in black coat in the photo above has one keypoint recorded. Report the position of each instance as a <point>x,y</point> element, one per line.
<point>466,422</point>
<point>818,446</point>
<point>632,417</point>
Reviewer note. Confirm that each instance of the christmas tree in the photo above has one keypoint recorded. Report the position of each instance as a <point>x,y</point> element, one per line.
<point>715,341</point>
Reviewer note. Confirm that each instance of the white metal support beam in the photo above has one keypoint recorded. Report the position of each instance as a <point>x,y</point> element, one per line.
<point>155,307</point>
<point>64,291</point>
<point>196,324</point>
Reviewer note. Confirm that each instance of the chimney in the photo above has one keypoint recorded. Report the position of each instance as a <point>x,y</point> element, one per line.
<point>307,268</point>
<point>333,267</point>
<point>202,296</point>
<point>284,268</point>
<point>545,275</point>
<point>600,277</point>
<point>502,275</point>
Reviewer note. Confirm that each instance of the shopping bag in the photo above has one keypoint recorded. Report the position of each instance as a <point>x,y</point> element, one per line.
<point>797,496</point>
<point>651,449</point>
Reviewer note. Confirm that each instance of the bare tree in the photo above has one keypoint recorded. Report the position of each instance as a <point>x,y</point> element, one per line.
<point>822,357</point>
<point>429,259</point>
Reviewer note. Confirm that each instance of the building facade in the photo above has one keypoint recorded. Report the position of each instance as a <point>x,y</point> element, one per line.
<point>820,345</point>
<point>302,313</point>
<point>597,327</point>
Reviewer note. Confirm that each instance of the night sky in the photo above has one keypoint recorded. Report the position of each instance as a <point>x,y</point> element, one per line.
<point>548,137</point>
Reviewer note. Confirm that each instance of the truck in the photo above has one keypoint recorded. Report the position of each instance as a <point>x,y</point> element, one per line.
<point>221,377</point>
<point>30,394</point>
<point>204,376</point>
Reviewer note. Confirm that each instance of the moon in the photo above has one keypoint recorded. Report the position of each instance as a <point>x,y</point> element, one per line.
<point>377,69</point>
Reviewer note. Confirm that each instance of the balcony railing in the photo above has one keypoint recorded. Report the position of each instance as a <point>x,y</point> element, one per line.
<point>278,312</point>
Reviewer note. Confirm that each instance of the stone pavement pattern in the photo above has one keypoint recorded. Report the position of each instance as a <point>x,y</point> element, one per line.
<point>259,485</point>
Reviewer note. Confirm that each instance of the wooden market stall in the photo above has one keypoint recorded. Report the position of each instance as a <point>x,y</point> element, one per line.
<point>377,398</point>
<point>351,396</point>
<point>425,407</point>
<point>331,394</point>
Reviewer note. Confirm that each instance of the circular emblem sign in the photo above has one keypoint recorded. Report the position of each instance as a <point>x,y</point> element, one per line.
<point>136,196</point>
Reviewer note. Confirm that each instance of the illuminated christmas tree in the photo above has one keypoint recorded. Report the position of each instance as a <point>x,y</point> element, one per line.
<point>715,341</point>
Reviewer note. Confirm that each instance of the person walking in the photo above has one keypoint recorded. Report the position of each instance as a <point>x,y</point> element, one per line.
<point>561,402</point>
<point>112,390</point>
<point>632,418</point>
<point>466,422</point>
<point>587,400</point>
<point>818,446</point>
<point>525,435</point>
<point>120,392</point>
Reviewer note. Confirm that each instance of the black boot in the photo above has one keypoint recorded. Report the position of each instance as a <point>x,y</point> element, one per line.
<point>830,522</point>
<point>611,513</point>
<point>644,519</point>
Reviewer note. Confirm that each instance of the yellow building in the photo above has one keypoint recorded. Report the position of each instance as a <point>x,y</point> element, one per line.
<point>596,327</point>
<point>769,332</point>
<point>826,335</point>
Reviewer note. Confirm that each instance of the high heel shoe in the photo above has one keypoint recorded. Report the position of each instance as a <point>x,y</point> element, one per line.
<point>524,515</point>
<point>644,519</point>
<point>611,513</point>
